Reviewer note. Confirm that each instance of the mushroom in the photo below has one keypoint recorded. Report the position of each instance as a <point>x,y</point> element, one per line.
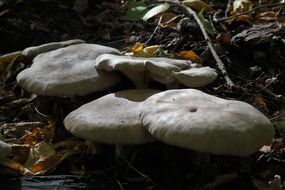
<point>132,67</point>
<point>35,50</point>
<point>111,119</point>
<point>68,71</point>
<point>192,119</point>
<point>135,67</point>
<point>5,151</point>
<point>196,77</point>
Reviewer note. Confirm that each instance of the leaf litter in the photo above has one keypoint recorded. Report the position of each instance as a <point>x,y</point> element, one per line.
<point>249,39</point>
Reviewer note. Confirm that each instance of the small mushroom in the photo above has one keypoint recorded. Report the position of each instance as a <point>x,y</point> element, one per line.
<point>135,68</point>
<point>111,119</point>
<point>196,77</point>
<point>36,50</point>
<point>5,151</point>
<point>192,119</point>
<point>68,71</point>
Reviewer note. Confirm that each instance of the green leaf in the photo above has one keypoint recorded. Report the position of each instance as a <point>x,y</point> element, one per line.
<point>156,10</point>
<point>209,27</point>
<point>136,11</point>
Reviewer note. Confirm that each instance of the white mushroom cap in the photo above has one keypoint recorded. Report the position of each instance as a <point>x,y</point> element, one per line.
<point>161,69</point>
<point>35,50</point>
<point>192,119</point>
<point>5,150</point>
<point>111,119</point>
<point>196,77</point>
<point>134,67</point>
<point>68,71</point>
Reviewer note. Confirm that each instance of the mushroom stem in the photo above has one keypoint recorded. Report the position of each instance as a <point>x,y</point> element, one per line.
<point>138,78</point>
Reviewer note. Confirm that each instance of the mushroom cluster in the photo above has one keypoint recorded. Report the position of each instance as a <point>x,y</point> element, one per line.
<point>163,70</point>
<point>186,118</point>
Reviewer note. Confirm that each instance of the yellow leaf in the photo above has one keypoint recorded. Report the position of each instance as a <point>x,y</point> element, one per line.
<point>137,47</point>
<point>139,50</point>
<point>190,55</point>
<point>197,5</point>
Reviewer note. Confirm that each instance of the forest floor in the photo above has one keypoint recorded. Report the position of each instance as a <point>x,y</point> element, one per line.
<point>251,47</point>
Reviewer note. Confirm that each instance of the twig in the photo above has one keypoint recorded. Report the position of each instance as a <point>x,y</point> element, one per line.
<point>219,62</point>
<point>155,30</point>
<point>250,11</point>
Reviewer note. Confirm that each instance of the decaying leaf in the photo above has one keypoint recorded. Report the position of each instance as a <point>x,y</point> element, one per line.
<point>198,5</point>
<point>156,10</point>
<point>38,152</point>
<point>240,6</point>
<point>265,17</point>
<point>190,55</point>
<point>39,134</point>
<point>169,20</point>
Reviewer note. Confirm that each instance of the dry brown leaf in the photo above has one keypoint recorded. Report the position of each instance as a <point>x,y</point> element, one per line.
<point>198,5</point>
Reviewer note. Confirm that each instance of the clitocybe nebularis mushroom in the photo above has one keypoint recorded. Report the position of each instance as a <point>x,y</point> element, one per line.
<point>135,67</point>
<point>36,50</point>
<point>192,119</point>
<point>68,71</point>
<point>196,77</point>
<point>111,119</point>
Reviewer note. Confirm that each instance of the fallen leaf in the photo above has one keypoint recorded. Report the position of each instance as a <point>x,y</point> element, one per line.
<point>198,5</point>
<point>156,10</point>
<point>265,17</point>
<point>260,102</point>
<point>137,47</point>
<point>169,20</point>
<point>38,152</point>
<point>135,11</point>
<point>240,6</point>
<point>190,55</point>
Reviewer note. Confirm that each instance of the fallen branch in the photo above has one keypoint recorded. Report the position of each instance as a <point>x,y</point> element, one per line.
<point>250,11</point>
<point>218,60</point>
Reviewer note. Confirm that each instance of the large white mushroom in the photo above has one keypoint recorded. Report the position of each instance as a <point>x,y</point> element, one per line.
<point>192,119</point>
<point>36,50</point>
<point>111,119</point>
<point>68,71</point>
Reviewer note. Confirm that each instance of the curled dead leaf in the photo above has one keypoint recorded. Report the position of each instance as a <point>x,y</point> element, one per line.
<point>198,5</point>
